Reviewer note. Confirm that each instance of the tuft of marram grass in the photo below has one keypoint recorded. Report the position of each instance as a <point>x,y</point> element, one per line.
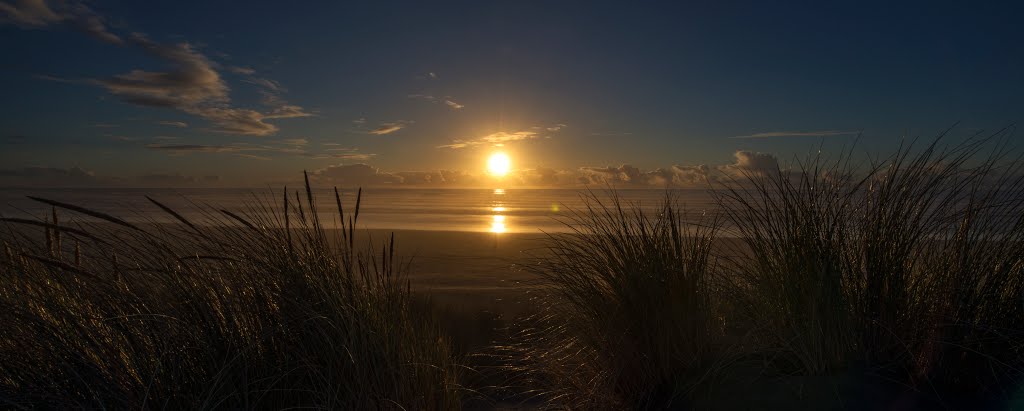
<point>631,318</point>
<point>909,269</point>
<point>256,309</point>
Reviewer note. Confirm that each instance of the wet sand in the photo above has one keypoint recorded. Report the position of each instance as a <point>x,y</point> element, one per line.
<point>469,271</point>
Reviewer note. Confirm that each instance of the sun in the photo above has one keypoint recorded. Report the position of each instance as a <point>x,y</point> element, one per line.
<point>499,164</point>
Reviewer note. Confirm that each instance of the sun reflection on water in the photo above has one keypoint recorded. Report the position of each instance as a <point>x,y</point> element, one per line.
<point>498,212</point>
<point>497,223</point>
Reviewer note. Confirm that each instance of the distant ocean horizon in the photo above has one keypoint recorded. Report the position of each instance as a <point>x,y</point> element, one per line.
<point>510,210</point>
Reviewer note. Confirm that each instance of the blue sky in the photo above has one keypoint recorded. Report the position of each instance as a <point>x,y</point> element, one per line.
<point>254,92</point>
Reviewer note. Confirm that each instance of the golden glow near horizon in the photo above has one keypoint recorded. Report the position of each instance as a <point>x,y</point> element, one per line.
<point>499,164</point>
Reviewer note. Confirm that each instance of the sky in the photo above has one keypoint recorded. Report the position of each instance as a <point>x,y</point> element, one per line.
<point>239,93</point>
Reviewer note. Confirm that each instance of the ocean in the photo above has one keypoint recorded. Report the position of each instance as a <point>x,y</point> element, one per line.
<point>467,210</point>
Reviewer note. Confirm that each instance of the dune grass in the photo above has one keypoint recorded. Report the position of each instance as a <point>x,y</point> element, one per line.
<point>260,309</point>
<point>899,280</point>
<point>631,317</point>
<point>907,271</point>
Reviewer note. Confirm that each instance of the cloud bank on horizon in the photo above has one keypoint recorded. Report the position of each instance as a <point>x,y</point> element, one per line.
<point>746,163</point>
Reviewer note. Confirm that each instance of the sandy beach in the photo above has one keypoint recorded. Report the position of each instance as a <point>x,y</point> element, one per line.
<point>469,271</point>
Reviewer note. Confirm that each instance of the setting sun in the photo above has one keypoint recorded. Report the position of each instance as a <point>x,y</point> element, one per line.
<point>498,164</point>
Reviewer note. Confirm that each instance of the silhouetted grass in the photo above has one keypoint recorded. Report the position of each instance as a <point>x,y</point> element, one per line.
<point>631,320</point>
<point>259,309</point>
<point>906,271</point>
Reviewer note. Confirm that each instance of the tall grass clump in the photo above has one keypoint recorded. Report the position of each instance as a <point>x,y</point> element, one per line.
<point>907,269</point>
<point>630,317</point>
<point>263,308</point>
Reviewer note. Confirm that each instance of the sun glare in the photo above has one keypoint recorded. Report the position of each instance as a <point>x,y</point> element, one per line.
<point>499,164</point>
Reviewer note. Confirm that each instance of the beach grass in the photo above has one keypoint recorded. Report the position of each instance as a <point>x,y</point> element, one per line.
<point>631,317</point>
<point>904,273</point>
<point>258,309</point>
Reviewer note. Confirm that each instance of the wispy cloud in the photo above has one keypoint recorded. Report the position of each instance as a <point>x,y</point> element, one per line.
<point>253,156</point>
<point>242,70</point>
<point>288,147</point>
<point>266,83</point>
<point>58,79</point>
<point>503,137</point>
<point>179,124</point>
<point>447,100</point>
<point>823,133</point>
<point>42,13</point>
<point>388,128</point>
<point>294,141</point>
<point>199,148</point>
<point>192,84</point>
<point>425,97</point>
<point>287,111</point>
<point>345,156</point>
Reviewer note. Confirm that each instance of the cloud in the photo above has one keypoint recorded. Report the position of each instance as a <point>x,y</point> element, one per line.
<point>674,176</point>
<point>545,176</point>
<point>354,175</point>
<point>252,156</point>
<point>179,124</point>
<point>266,83</point>
<point>824,133</point>
<point>751,163</point>
<point>191,82</point>
<point>57,79</point>
<point>199,148</point>
<point>346,156</point>
<point>388,128</point>
<point>175,180</point>
<point>41,13</point>
<point>425,97</point>
<point>288,147</point>
<point>287,111</point>
<point>242,70</point>
<point>447,100</point>
<point>191,85</point>
<point>295,141</point>
<point>47,176</point>
<point>495,139</point>
<point>230,120</point>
